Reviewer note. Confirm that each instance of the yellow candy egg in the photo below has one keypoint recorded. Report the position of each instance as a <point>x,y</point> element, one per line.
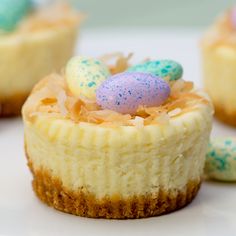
<point>84,75</point>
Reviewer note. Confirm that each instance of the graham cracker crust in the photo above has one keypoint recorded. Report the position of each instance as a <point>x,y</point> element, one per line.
<point>11,106</point>
<point>224,115</point>
<point>82,203</point>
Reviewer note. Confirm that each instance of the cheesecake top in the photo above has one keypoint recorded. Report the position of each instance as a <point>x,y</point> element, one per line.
<point>53,16</point>
<point>223,31</point>
<point>52,97</point>
<point>46,18</point>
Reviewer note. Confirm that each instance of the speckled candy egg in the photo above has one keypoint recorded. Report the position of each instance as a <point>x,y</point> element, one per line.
<point>84,75</point>
<point>124,92</point>
<point>11,12</point>
<point>166,69</point>
<point>221,159</point>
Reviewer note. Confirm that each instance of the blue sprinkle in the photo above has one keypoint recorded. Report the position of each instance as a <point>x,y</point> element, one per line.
<point>91,84</point>
<point>164,71</point>
<point>228,142</point>
<point>213,153</point>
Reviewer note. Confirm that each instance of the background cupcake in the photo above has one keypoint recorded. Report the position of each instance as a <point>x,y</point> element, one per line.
<point>33,43</point>
<point>219,65</point>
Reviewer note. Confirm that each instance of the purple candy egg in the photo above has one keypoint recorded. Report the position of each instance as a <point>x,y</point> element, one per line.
<point>126,91</point>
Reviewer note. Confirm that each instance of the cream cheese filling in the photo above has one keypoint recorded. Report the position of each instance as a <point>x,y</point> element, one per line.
<point>125,160</point>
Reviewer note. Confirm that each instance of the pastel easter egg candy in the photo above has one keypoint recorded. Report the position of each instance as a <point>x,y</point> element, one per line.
<point>221,159</point>
<point>126,91</point>
<point>84,75</point>
<point>11,12</point>
<point>166,69</point>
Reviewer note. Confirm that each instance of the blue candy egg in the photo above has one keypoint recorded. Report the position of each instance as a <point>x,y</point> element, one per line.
<point>166,69</point>
<point>221,159</point>
<point>11,12</point>
<point>126,91</point>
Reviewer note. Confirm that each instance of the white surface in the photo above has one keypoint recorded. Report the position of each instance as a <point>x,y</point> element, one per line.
<point>213,212</point>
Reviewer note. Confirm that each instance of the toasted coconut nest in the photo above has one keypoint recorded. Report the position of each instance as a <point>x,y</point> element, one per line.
<point>51,98</point>
<point>54,16</point>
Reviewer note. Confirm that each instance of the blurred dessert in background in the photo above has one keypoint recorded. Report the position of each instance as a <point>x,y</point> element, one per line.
<point>220,159</point>
<point>34,41</point>
<point>219,66</point>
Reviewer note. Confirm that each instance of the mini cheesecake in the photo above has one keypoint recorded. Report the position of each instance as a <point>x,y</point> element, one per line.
<point>219,66</point>
<point>41,44</point>
<point>99,163</point>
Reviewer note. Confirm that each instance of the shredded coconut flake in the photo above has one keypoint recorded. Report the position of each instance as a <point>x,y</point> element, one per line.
<point>117,62</point>
<point>61,98</point>
<point>163,119</point>
<point>137,121</point>
<point>174,112</point>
